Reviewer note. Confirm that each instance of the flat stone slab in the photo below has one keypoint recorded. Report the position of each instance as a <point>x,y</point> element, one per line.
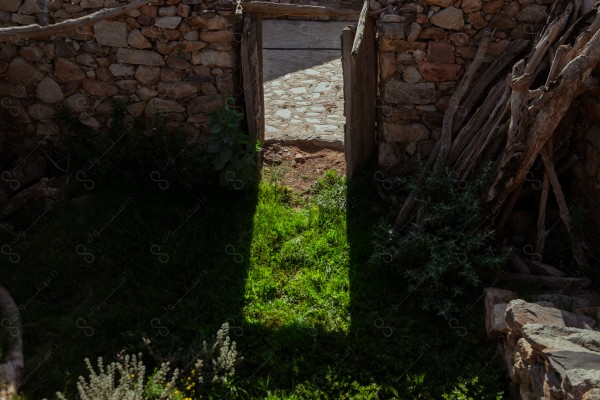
<point>574,354</point>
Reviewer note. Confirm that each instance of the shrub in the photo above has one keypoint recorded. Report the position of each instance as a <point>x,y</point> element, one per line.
<point>125,379</point>
<point>445,255</point>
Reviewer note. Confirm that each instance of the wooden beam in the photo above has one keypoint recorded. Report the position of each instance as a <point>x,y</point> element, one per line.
<point>19,33</point>
<point>278,9</point>
<point>360,28</point>
<point>565,285</point>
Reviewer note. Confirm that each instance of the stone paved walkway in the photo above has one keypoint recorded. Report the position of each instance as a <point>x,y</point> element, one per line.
<point>303,91</point>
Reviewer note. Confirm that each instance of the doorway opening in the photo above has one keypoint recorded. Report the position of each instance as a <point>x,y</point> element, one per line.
<point>354,97</point>
<point>303,81</point>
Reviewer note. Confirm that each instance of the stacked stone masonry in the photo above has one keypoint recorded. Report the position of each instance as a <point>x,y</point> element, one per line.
<point>178,58</point>
<point>424,49</point>
<point>550,352</point>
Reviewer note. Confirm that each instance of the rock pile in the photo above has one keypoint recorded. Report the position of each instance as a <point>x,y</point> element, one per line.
<point>550,353</point>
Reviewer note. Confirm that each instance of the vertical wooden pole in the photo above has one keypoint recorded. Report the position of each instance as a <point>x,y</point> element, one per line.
<point>347,67</point>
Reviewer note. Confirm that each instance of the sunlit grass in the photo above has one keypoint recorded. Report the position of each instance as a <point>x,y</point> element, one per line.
<point>299,272</point>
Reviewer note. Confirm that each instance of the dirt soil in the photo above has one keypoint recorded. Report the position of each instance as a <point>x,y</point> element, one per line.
<point>301,164</point>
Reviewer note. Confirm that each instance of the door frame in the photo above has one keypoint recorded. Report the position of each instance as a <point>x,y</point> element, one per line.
<point>253,84</point>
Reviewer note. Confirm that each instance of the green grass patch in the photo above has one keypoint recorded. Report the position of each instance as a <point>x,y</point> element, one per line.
<point>139,269</point>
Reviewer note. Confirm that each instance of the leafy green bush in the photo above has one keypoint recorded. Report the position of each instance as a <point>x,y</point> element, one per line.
<point>445,255</point>
<point>234,152</point>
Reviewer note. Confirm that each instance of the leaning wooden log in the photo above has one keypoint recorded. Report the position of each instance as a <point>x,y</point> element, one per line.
<point>39,191</point>
<point>565,285</point>
<point>548,270</point>
<point>22,174</point>
<point>11,367</point>
<point>20,33</point>
<point>461,90</point>
<point>444,145</point>
<point>488,78</point>
<point>519,156</point>
<point>519,263</point>
<point>542,233</point>
<point>565,215</point>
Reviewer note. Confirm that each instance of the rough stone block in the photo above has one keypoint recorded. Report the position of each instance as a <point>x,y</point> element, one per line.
<point>67,71</point>
<point>520,313</point>
<point>163,106</point>
<point>399,45</point>
<point>214,58</point>
<point>204,104</point>
<point>434,72</point>
<point>10,5</point>
<point>392,31</point>
<point>532,13</point>
<point>139,57</point>
<point>389,155</point>
<point>49,92</point>
<point>138,40</point>
<point>405,93</point>
<point>439,3</point>
<point>111,33</point>
<point>168,22</point>
<point>99,88</point>
<point>393,132</point>
<point>441,53</point>
<point>147,75</point>
<point>177,90</point>
<point>449,18</point>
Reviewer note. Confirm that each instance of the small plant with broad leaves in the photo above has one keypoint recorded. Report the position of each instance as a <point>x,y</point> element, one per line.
<point>234,153</point>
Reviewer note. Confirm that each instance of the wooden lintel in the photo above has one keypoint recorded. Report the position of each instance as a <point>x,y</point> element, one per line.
<point>278,9</point>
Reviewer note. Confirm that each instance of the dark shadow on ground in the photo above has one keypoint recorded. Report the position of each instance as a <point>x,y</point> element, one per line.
<point>277,63</point>
<point>116,265</point>
<point>101,271</point>
<point>418,353</point>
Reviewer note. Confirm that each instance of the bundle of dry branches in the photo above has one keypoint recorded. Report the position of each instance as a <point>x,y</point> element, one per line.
<point>522,117</point>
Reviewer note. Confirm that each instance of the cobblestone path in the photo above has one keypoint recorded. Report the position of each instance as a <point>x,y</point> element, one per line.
<point>303,91</point>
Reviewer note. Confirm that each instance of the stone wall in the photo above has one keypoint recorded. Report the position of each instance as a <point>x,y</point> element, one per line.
<point>178,58</point>
<point>550,353</point>
<point>424,48</point>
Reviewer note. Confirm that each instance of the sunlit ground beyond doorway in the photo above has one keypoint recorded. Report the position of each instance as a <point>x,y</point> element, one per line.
<point>303,87</point>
